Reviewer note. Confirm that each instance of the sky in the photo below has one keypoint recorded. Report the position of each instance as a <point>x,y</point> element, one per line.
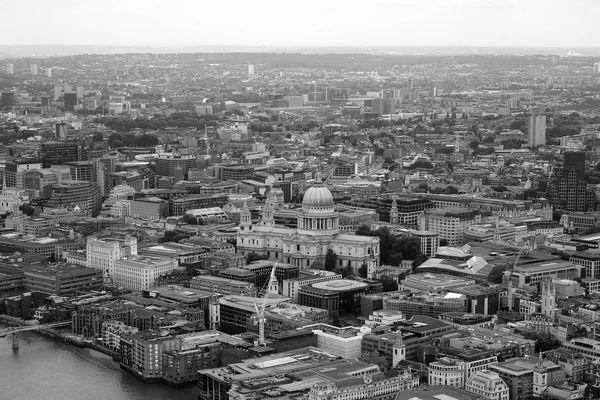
<point>352,23</point>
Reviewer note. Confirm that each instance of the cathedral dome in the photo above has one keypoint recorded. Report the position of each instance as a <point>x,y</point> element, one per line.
<point>318,196</point>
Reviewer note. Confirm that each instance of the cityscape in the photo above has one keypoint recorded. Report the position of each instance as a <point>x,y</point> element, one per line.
<point>300,222</point>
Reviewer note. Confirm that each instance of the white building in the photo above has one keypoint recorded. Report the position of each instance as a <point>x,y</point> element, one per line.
<point>318,230</point>
<point>103,254</point>
<point>385,317</point>
<point>346,343</point>
<point>489,385</point>
<point>139,273</point>
<point>449,222</point>
<point>447,372</point>
<point>113,331</point>
<point>292,286</point>
<point>11,198</point>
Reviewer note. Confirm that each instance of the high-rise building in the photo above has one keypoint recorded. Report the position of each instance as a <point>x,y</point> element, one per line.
<point>597,68</point>
<point>8,99</point>
<point>250,69</point>
<point>79,91</point>
<point>57,153</point>
<point>61,131</point>
<point>10,69</point>
<point>536,128</point>
<point>70,100</point>
<point>57,92</point>
<point>166,165</point>
<point>49,72</point>
<point>34,69</point>
<point>567,187</point>
<point>83,194</point>
<point>67,88</point>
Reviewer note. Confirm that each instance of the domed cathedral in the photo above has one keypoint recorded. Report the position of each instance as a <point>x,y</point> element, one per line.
<point>317,230</point>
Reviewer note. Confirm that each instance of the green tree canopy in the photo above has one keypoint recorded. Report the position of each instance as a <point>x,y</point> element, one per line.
<point>330,260</point>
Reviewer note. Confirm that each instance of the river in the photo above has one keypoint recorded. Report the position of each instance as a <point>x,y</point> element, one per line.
<point>45,368</point>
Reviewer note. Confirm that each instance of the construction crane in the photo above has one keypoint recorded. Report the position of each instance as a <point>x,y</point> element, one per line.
<point>508,273</point>
<point>261,303</point>
<point>333,167</point>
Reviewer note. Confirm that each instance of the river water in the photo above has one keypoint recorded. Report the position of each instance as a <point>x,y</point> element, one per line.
<point>45,368</point>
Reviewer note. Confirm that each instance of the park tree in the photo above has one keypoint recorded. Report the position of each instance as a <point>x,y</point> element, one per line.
<point>362,271</point>
<point>330,260</point>
<point>376,358</point>
<point>190,219</point>
<point>173,236</point>
<point>27,209</point>
<point>250,258</point>
<point>389,284</point>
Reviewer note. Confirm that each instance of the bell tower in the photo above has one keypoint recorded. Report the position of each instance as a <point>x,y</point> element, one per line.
<point>245,218</point>
<point>399,351</point>
<point>548,298</point>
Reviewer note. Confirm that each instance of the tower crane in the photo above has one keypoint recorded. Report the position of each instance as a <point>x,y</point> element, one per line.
<point>508,274</point>
<point>341,146</point>
<point>261,303</point>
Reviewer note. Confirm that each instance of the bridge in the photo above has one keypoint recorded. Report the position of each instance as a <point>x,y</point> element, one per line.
<point>15,330</point>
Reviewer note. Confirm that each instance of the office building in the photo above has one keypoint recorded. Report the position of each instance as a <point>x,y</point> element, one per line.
<point>139,273</point>
<point>15,172</point>
<point>57,92</point>
<point>57,153</point>
<point>597,68</point>
<point>449,223</point>
<point>293,285</point>
<point>567,188</point>
<point>60,131</point>
<point>103,253</point>
<point>447,372</point>
<point>223,285</point>
<point>536,130</point>
<point>84,196</point>
<point>250,69</point>
<point>167,165</point>
<point>236,312</point>
<point>61,279</point>
<point>70,100</point>
<point>79,92</point>
<point>151,208</point>
<point>34,69</point>
<point>49,72</point>
<point>8,99</point>
<point>489,385</point>
<point>10,69</point>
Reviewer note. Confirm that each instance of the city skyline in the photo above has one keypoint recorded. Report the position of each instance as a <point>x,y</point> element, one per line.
<point>488,23</point>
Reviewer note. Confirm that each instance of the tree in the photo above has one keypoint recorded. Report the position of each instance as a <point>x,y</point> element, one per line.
<point>543,341</point>
<point>362,271</point>
<point>173,236</point>
<point>375,358</point>
<point>27,209</point>
<point>250,258</point>
<point>98,137</point>
<point>419,259</point>
<point>190,219</point>
<point>330,260</point>
<point>474,145</point>
<point>364,230</point>
<point>499,188</point>
<point>409,246</point>
<point>594,229</point>
<point>389,284</point>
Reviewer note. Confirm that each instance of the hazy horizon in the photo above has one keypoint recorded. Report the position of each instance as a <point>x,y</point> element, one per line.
<point>312,23</point>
